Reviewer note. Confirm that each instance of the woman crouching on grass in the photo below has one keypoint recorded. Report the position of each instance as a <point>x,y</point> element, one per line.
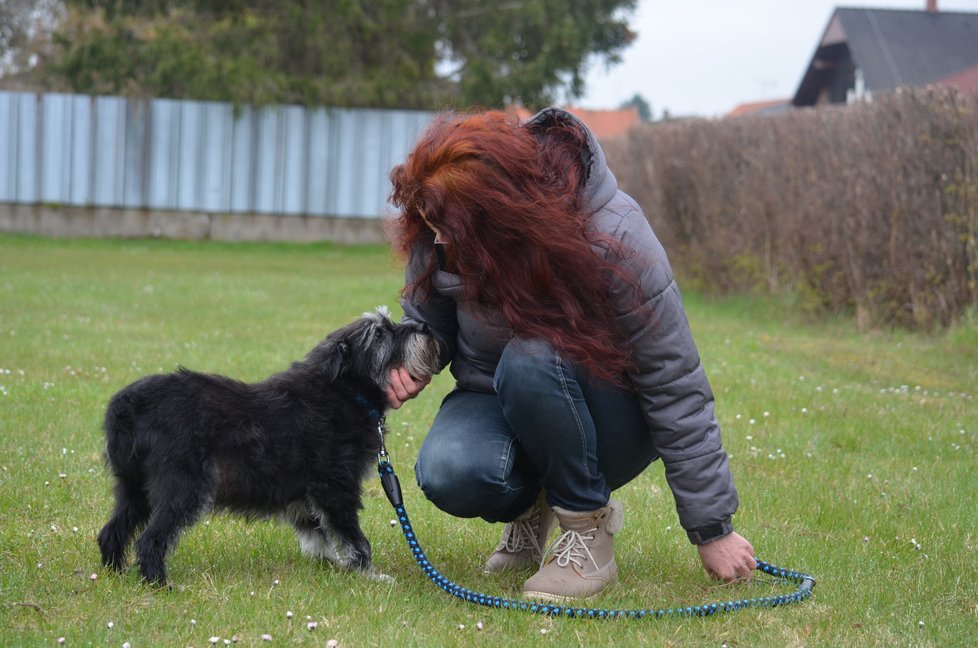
<point>575,368</point>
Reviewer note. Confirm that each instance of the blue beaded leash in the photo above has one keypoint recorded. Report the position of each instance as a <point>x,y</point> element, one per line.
<point>392,488</point>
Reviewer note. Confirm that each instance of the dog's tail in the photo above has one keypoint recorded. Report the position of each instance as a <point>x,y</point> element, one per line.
<point>120,438</point>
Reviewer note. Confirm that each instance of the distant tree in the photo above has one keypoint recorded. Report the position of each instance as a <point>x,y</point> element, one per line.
<point>25,38</point>
<point>644,109</point>
<point>348,53</point>
<point>528,51</point>
<point>426,54</point>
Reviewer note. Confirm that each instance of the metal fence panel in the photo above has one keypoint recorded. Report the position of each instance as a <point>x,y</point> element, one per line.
<point>189,163</point>
<point>242,161</point>
<point>347,136</point>
<point>135,154</point>
<point>293,147</point>
<point>79,171</point>
<point>374,137</point>
<point>26,188</point>
<point>267,140</point>
<point>162,155</point>
<point>55,134</point>
<point>319,163</point>
<point>8,148</point>
<point>215,177</point>
<point>107,158</point>
<point>165,154</point>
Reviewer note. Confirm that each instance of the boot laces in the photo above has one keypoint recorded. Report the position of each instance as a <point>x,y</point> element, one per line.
<point>572,547</point>
<point>521,534</point>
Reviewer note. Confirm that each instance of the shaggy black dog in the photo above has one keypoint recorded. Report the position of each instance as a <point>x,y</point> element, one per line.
<point>296,445</point>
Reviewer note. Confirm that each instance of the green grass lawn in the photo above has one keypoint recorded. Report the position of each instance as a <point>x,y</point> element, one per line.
<point>855,455</point>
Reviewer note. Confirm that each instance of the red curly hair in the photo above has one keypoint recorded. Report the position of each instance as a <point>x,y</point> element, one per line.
<point>507,201</point>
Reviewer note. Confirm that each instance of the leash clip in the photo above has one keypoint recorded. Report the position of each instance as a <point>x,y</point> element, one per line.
<point>390,482</point>
<point>382,456</point>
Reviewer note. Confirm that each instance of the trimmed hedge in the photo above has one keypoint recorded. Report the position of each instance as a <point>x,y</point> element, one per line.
<point>870,209</point>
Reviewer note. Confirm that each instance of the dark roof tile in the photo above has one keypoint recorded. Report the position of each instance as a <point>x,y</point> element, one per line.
<point>897,48</point>
<point>893,48</point>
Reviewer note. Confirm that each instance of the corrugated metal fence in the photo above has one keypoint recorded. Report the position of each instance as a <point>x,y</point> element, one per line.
<point>161,154</point>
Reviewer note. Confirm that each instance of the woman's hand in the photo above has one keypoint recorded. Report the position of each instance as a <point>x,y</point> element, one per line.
<point>403,387</point>
<point>729,558</point>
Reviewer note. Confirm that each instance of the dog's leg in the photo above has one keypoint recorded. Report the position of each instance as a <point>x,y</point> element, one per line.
<point>178,500</point>
<point>131,512</point>
<point>337,506</point>
<point>314,540</point>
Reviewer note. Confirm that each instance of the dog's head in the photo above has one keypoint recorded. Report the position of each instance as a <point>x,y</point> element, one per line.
<point>369,347</point>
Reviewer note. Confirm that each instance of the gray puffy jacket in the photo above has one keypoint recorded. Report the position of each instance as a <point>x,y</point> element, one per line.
<point>670,381</point>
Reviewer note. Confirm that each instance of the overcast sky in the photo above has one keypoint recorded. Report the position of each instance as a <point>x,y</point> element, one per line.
<point>704,57</point>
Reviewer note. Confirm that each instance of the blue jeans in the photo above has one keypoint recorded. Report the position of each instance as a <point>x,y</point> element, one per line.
<point>547,426</point>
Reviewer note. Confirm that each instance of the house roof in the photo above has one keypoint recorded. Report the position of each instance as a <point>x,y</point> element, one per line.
<point>605,124</point>
<point>893,48</point>
<point>760,108</point>
<point>965,81</point>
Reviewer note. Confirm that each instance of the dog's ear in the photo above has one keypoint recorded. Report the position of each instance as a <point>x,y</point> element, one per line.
<point>336,360</point>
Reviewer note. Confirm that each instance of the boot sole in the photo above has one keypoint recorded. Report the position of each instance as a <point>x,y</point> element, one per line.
<point>549,597</point>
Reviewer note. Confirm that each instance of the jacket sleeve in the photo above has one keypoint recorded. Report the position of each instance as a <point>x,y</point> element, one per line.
<point>437,311</point>
<point>672,385</point>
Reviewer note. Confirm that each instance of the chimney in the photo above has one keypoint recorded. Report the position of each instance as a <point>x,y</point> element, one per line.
<point>931,6</point>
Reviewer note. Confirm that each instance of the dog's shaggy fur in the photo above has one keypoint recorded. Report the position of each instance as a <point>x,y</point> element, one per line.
<point>296,445</point>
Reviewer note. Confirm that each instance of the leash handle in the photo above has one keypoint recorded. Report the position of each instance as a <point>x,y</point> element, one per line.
<point>390,482</point>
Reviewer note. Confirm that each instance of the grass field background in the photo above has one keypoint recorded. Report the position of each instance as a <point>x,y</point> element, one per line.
<point>855,455</point>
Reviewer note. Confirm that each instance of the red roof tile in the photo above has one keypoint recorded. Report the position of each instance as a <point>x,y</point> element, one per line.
<point>966,80</point>
<point>755,106</point>
<point>605,124</point>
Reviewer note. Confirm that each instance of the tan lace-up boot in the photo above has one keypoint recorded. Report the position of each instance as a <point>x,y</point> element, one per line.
<point>581,561</point>
<point>523,539</point>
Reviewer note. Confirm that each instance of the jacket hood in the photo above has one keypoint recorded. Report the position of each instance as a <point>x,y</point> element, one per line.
<point>601,185</point>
